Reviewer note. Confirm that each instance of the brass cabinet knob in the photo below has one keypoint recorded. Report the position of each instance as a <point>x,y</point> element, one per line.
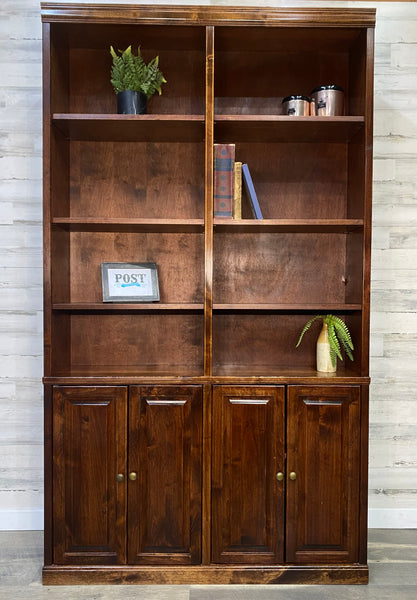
<point>293,476</point>
<point>280,476</point>
<point>133,476</point>
<point>120,477</point>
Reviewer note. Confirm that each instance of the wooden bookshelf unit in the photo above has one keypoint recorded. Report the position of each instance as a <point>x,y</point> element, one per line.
<point>189,441</point>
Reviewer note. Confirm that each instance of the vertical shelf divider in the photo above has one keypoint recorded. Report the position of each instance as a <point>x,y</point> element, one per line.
<point>208,217</point>
<point>208,300</point>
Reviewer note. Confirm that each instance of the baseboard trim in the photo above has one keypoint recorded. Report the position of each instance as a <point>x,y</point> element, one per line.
<point>204,575</point>
<point>392,518</point>
<point>21,519</point>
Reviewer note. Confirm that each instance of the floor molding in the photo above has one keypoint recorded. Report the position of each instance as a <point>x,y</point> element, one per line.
<point>21,519</point>
<point>392,518</point>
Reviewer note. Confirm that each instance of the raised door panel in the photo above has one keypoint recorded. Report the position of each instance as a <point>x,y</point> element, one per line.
<point>248,453</point>
<point>165,443</point>
<point>324,454</point>
<point>89,452</point>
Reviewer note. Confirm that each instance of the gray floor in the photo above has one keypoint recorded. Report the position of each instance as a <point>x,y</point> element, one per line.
<point>392,563</point>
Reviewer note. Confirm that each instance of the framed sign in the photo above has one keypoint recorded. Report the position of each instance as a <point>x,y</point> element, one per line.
<point>129,282</point>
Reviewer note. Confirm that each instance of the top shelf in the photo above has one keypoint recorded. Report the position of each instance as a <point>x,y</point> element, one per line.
<point>130,128</point>
<point>282,128</point>
<point>191,128</point>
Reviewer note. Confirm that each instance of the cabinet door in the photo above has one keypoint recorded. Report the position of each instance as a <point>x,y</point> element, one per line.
<point>323,453</point>
<point>89,452</point>
<point>248,453</point>
<point>165,441</point>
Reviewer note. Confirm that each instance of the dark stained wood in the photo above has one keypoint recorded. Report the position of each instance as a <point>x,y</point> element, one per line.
<point>179,260</point>
<point>159,36</point>
<point>127,307</point>
<point>235,374</point>
<point>89,451</point>
<point>91,90</point>
<point>221,575</point>
<point>280,128</point>
<point>131,128</point>
<point>288,225</point>
<point>165,442</point>
<point>256,307</point>
<point>356,177</point>
<point>247,453</point>
<point>190,128</point>
<point>207,15</point>
<point>246,72</point>
<point>48,478</point>
<point>61,343</point>
<point>323,449</point>
<point>136,180</point>
<point>368,196</point>
<point>84,53</point>
<point>295,181</point>
<point>46,170</point>
<point>123,343</point>
<point>363,483</point>
<point>302,39</point>
<point>354,274</point>
<point>206,476</point>
<point>130,225</point>
<point>260,343</point>
<point>206,507</point>
<point>265,268</point>
<point>209,205</point>
<point>226,376</point>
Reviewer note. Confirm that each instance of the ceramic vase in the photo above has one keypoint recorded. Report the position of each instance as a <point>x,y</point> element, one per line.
<point>130,102</point>
<point>324,362</point>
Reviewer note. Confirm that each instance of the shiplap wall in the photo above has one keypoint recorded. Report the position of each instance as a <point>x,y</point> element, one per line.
<point>393,428</point>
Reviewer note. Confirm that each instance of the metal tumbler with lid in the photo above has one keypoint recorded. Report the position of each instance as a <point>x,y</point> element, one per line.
<point>297,106</point>
<point>329,100</point>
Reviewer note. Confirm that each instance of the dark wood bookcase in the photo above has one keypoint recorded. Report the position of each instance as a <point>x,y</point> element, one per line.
<point>189,441</point>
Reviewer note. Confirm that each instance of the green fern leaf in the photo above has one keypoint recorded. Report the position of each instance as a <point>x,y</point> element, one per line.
<point>306,327</point>
<point>130,72</point>
<point>339,336</point>
<point>333,341</point>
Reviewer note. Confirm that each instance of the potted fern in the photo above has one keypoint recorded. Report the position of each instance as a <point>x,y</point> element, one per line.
<point>134,81</point>
<point>333,338</point>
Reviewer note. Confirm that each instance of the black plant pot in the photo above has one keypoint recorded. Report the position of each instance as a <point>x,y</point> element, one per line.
<point>130,102</point>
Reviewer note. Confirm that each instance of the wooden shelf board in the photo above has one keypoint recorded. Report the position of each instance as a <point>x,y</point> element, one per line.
<point>288,225</point>
<point>321,308</point>
<point>126,307</point>
<point>281,372</point>
<point>127,224</point>
<point>130,128</point>
<point>227,374</point>
<point>282,128</point>
<point>125,374</point>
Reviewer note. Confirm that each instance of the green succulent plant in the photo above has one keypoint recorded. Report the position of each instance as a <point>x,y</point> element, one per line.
<point>339,336</point>
<point>130,72</point>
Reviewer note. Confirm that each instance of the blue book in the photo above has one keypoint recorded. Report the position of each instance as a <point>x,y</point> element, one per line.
<point>250,190</point>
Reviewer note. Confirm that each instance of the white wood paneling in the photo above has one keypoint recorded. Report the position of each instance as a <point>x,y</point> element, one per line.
<point>21,414</point>
<point>393,431</point>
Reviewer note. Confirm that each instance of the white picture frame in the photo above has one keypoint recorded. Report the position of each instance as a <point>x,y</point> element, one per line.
<point>129,282</point>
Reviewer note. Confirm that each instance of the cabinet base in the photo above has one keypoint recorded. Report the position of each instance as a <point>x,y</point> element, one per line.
<point>112,575</point>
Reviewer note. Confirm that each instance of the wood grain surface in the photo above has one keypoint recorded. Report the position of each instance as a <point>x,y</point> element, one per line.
<point>393,472</point>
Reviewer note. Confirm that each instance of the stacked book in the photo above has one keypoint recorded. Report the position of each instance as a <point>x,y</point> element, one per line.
<point>229,175</point>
